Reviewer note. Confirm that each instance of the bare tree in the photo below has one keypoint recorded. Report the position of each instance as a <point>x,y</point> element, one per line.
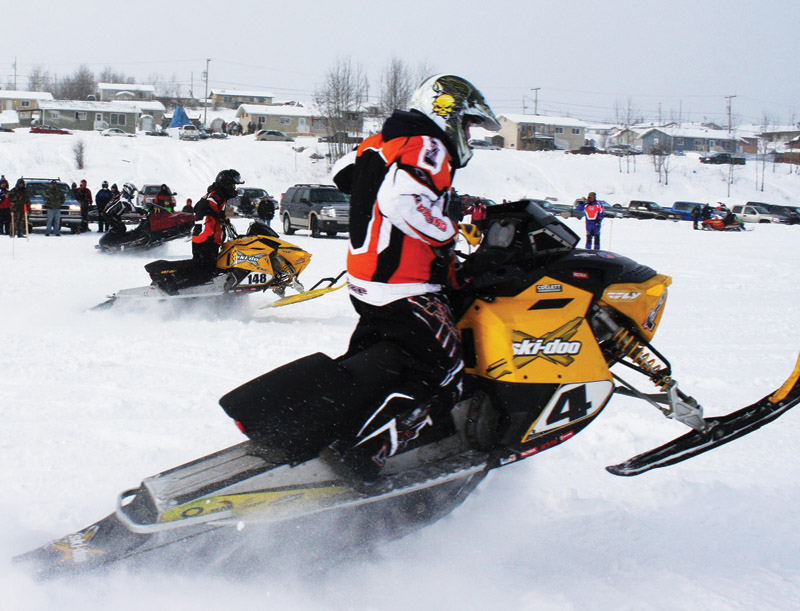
<point>397,87</point>
<point>39,80</point>
<point>109,75</point>
<point>79,86</point>
<point>341,100</point>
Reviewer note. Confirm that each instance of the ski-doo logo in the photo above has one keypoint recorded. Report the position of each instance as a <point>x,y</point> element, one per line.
<point>549,288</point>
<point>242,258</point>
<point>557,347</point>
<point>76,548</point>
<point>623,295</point>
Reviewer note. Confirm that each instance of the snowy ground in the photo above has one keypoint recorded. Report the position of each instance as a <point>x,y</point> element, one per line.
<point>92,402</point>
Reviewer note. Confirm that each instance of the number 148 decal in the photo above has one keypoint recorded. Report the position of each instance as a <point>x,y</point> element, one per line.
<point>570,404</point>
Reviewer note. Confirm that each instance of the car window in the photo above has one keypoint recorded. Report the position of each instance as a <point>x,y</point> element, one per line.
<point>328,195</point>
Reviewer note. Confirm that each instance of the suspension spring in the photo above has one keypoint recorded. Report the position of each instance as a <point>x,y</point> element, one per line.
<point>633,349</point>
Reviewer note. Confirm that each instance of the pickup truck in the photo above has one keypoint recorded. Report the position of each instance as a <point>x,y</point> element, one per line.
<point>720,158</point>
<point>754,213</point>
<point>638,209</point>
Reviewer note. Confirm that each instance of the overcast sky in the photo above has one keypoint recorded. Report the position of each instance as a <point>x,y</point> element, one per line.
<point>583,57</point>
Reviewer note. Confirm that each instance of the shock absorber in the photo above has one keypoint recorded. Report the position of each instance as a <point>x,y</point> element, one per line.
<point>629,346</point>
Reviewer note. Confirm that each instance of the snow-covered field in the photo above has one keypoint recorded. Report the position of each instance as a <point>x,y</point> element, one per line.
<point>92,402</point>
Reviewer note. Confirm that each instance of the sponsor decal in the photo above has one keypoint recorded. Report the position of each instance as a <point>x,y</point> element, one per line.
<point>358,290</point>
<point>76,548</point>
<point>242,258</point>
<point>650,321</point>
<point>581,275</point>
<point>623,295</point>
<point>547,445</point>
<point>508,460</point>
<point>556,347</point>
<point>549,288</point>
<point>440,224</point>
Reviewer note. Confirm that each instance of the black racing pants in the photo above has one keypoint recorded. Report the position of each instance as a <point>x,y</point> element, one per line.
<point>424,328</point>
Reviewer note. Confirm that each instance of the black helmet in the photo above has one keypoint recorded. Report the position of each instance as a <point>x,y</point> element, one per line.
<point>128,189</point>
<point>105,184</point>
<point>226,182</point>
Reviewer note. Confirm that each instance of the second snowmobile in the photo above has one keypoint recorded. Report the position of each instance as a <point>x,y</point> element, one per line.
<point>257,261</point>
<point>542,323</point>
<point>157,227</point>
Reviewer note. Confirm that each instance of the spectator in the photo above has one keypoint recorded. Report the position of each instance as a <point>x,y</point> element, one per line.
<point>593,210</point>
<point>84,197</point>
<point>101,199</point>
<point>5,208</point>
<point>164,199</point>
<point>20,203</point>
<point>188,207</point>
<point>54,198</point>
<point>695,216</point>
<point>266,210</point>
<point>705,213</point>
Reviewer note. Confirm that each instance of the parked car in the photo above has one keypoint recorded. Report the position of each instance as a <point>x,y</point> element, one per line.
<point>685,209</point>
<point>156,133</point>
<point>754,213</point>
<point>146,196</point>
<point>609,211</point>
<point>272,135</point>
<point>116,131</point>
<point>621,150</point>
<point>790,215</point>
<point>318,208</point>
<point>639,209</point>
<point>188,132</point>
<point>70,210</point>
<point>482,144</point>
<point>553,208</point>
<point>587,149</point>
<point>48,129</point>
<point>255,195</point>
<point>720,158</point>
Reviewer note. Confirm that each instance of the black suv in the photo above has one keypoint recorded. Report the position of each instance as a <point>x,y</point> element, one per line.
<point>70,210</point>
<point>318,208</point>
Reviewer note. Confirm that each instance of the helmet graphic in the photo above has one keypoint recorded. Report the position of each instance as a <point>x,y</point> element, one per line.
<point>454,104</point>
<point>226,182</point>
<point>128,189</point>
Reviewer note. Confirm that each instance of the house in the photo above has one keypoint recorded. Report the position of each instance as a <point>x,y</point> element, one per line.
<point>22,100</point>
<point>541,133</point>
<point>125,92</point>
<point>292,120</point>
<point>232,98</point>
<point>698,138</point>
<point>84,115</point>
<point>152,108</point>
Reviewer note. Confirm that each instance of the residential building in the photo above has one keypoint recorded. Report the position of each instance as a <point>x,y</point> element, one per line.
<point>696,138</point>
<point>84,115</point>
<point>293,120</point>
<point>125,92</point>
<point>233,98</point>
<point>540,132</point>
<point>22,100</point>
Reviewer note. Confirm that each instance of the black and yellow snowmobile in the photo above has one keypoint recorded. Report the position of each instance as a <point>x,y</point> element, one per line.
<point>542,324</point>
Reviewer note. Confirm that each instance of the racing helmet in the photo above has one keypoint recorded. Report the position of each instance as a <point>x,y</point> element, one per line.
<point>454,104</point>
<point>128,189</point>
<point>226,182</point>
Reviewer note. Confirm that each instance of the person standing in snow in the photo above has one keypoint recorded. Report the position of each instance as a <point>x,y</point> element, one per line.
<point>593,211</point>
<point>84,197</point>
<point>20,204</point>
<point>54,198</point>
<point>401,258</point>
<point>101,199</point>
<point>5,208</point>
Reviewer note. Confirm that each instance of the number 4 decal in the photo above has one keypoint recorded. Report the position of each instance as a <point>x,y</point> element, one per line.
<point>570,404</point>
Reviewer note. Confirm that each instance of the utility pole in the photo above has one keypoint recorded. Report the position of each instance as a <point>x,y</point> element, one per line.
<point>535,99</point>
<point>205,100</point>
<point>730,124</point>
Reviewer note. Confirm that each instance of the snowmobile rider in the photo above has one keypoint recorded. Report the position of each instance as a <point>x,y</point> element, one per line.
<point>120,205</point>
<point>401,258</point>
<point>210,220</point>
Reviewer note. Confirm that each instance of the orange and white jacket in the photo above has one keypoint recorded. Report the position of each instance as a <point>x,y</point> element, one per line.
<point>400,237</point>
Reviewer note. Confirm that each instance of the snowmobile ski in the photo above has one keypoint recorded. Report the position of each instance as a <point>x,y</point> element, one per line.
<point>312,293</point>
<point>720,430</point>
